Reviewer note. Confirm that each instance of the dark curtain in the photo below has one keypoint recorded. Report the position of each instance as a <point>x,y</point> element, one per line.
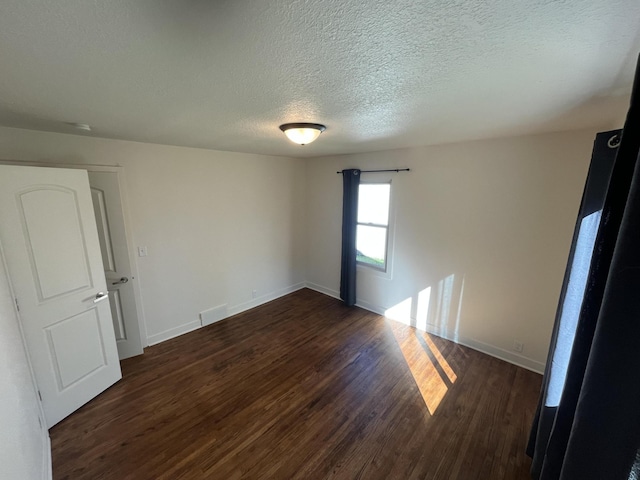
<point>350,183</point>
<point>573,287</point>
<point>588,421</point>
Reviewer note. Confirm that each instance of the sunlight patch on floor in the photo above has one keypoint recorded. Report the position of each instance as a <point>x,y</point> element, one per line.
<point>430,370</point>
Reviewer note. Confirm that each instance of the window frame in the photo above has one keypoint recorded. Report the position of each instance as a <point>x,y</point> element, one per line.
<point>385,270</point>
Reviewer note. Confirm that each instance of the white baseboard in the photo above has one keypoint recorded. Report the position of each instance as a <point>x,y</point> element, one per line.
<point>173,332</point>
<point>194,325</point>
<point>371,307</point>
<point>335,294</point>
<point>47,472</point>
<point>502,354</point>
<point>321,289</point>
<point>492,350</point>
<point>256,302</point>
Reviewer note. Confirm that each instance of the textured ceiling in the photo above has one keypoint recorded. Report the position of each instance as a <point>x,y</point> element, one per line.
<point>380,74</point>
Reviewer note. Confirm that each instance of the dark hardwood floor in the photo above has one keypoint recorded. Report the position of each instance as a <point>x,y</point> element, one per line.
<point>304,388</point>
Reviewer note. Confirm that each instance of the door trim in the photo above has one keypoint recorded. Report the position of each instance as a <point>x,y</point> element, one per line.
<point>18,319</point>
<point>119,170</point>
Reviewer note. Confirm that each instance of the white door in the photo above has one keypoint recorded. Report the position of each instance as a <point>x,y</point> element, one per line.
<point>48,231</point>
<point>107,205</point>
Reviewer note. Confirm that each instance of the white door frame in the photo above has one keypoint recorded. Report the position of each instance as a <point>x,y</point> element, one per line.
<point>142,324</point>
<point>48,473</point>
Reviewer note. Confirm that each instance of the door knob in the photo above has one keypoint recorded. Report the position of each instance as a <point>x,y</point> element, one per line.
<point>122,280</point>
<point>100,296</point>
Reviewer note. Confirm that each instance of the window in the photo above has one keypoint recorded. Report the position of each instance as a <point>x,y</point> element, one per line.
<point>373,225</point>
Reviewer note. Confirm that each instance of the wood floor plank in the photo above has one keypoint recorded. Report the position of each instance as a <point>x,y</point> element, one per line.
<point>304,388</point>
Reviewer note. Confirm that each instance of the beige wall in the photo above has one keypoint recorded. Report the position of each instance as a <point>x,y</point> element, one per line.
<point>481,228</point>
<point>24,446</point>
<point>481,237</point>
<point>217,225</point>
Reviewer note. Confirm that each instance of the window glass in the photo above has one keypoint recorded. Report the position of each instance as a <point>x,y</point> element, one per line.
<point>371,245</point>
<point>373,225</point>
<point>373,203</point>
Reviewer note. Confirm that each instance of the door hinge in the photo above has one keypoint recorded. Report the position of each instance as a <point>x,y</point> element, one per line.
<point>17,304</point>
<point>40,395</point>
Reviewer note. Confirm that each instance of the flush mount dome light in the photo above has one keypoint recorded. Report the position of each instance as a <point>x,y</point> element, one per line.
<point>80,126</point>
<point>302,133</point>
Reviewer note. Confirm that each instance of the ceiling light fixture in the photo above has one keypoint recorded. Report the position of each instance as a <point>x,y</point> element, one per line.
<point>80,126</point>
<point>302,133</point>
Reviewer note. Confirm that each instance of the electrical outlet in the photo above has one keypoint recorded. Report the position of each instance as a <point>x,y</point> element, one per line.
<point>254,293</point>
<point>518,346</point>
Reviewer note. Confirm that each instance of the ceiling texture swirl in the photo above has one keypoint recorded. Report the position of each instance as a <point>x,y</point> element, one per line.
<point>379,74</point>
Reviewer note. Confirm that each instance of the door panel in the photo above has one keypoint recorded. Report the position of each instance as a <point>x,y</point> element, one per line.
<point>48,231</point>
<point>115,302</point>
<point>73,338</point>
<point>106,246</point>
<point>51,224</point>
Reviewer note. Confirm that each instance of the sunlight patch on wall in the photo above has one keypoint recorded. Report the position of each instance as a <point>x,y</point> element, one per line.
<point>436,309</point>
<point>401,312</point>
<point>456,330</point>
<point>443,304</point>
<point>422,316</point>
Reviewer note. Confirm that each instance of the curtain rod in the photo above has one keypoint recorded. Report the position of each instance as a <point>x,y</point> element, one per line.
<point>390,170</point>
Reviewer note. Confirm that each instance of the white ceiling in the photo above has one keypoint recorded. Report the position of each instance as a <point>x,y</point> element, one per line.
<point>380,74</point>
